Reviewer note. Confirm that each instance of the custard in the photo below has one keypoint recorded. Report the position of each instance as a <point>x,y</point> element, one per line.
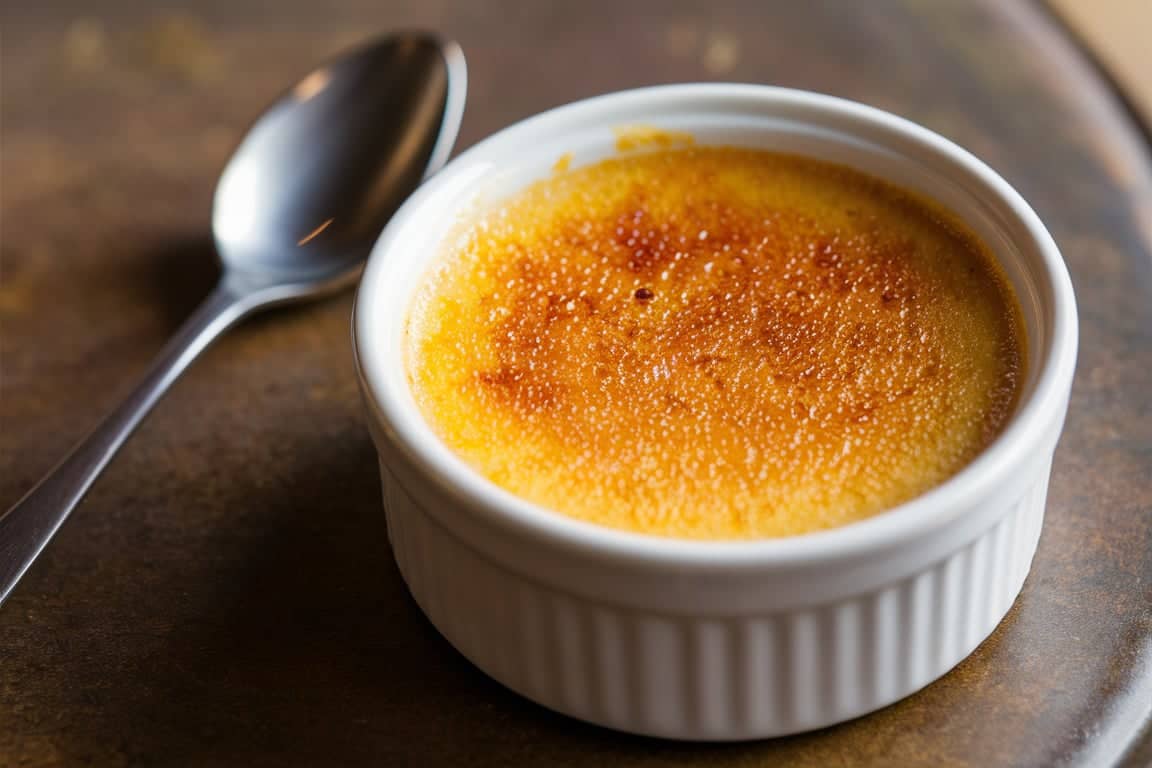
<point>715,343</point>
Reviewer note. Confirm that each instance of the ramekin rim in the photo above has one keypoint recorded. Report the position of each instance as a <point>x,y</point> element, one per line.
<point>929,511</point>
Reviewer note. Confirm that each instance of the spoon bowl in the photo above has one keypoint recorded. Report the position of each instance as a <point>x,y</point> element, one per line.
<point>319,174</point>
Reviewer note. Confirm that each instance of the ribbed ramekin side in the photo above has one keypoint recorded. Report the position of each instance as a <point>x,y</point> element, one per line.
<point>719,677</point>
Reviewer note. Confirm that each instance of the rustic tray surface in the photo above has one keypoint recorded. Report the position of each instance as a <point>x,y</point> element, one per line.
<point>225,594</point>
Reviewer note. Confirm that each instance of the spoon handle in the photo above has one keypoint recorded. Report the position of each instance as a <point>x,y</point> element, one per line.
<point>29,525</point>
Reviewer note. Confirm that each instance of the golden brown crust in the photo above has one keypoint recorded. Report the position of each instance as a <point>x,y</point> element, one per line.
<point>716,343</point>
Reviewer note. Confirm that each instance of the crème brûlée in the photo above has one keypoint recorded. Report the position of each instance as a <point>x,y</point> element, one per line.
<point>715,343</point>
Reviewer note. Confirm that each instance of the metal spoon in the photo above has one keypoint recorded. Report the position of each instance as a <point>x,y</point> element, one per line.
<point>294,216</point>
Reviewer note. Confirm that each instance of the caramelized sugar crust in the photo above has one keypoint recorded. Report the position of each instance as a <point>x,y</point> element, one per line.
<point>715,343</point>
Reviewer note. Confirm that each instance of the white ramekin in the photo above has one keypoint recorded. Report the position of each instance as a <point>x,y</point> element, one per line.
<point>716,640</point>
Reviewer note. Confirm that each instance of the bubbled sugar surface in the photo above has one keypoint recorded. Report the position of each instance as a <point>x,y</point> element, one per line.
<point>715,343</point>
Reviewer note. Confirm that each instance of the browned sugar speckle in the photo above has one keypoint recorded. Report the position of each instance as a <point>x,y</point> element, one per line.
<point>715,343</point>
<point>633,137</point>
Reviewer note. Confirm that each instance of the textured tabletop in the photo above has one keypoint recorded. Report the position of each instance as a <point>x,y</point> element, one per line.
<point>225,595</point>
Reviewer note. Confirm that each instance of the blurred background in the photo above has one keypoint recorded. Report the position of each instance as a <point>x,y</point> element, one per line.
<point>1116,31</point>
